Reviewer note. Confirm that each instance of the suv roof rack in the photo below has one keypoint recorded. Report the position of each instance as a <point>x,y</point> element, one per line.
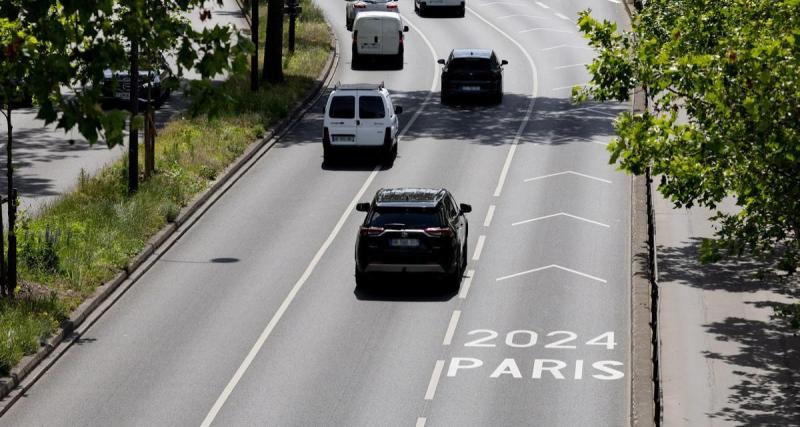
<point>359,86</point>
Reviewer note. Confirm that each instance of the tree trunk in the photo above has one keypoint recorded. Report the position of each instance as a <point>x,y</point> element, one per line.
<point>11,277</point>
<point>273,47</point>
<point>133,141</point>
<point>254,17</point>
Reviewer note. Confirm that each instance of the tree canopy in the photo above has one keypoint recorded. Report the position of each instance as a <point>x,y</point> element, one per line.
<point>723,83</point>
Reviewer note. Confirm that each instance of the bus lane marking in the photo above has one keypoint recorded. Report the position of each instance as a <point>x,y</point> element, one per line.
<point>569,270</point>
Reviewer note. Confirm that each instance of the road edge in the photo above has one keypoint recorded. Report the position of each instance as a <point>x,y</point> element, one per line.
<point>19,379</point>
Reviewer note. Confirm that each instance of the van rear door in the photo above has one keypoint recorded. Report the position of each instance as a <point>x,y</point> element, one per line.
<point>372,121</point>
<point>342,118</point>
<point>392,32</point>
<point>368,35</point>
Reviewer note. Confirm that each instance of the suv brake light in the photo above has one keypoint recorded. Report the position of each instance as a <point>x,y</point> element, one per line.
<point>371,231</point>
<point>439,231</point>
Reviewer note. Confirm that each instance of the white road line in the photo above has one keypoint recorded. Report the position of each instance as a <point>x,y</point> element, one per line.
<point>582,64</point>
<point>615,1</point>
<point>552,266</point>
<point>237,376</point>
<point>522,16</point>
<point>421,422</point>
<point>555,89</point>
<point>562,16</point>
<point>286,302</point>
<point>561,46</point>
<point>513,149</point>
<point>465,286</point>
<point>568,173</point>
<point>571,138</point>
<point>561,214</point>
<point>451,328</point>
<point>437,373</point>
<point>479,248</point>
<point>489,215</point>
<point>542,5</point>
<point>502,2</point>
<point>555,30</point>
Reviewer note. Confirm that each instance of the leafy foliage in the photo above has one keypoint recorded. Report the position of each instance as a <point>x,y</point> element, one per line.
<point>723,80</point>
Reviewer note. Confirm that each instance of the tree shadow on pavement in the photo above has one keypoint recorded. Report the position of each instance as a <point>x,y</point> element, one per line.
<point>768,388</point>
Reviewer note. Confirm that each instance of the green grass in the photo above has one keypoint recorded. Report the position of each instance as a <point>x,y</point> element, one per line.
<point>90,235</point>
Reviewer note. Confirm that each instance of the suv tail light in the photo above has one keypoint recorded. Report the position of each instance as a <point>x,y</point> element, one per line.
<point>439,231</point>
<point>371,231</point>
<point>326,135</point>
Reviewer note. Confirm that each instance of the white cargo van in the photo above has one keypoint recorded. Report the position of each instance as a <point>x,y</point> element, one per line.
<point>360,116</point>
<point>378,35</point>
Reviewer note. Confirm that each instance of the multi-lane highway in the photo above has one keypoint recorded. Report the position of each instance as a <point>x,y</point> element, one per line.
<point>252,317</point>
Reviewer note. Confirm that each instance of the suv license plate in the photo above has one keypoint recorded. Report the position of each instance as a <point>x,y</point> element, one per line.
<point>404,243</point>
<point>123,95</point>
<point>343,138</point>
<point>471,88</point>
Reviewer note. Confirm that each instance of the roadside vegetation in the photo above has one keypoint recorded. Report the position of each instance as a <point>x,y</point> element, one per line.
<point>723,83</point>
<point>90,235</point>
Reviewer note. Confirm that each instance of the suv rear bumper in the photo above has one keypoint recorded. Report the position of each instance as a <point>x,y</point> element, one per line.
<point>404,268</point>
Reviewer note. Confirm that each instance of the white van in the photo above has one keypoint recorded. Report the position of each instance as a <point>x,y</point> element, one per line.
<point>378,34</point>
<point>360,116</point>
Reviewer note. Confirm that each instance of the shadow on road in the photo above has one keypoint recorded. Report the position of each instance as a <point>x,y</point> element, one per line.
<point>406,288</point>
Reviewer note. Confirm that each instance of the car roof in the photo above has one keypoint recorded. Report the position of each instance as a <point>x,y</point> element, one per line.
<point>467,53</point>
<point>409,197</point>
<point>378,14</point>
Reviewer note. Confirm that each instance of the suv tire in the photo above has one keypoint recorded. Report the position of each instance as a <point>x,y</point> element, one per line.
<point>362,281</point>
<point>445,97</point>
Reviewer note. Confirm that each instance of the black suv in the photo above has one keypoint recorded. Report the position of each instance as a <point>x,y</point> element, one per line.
<point>413,230</point>
<point>472,72</point>
<point>116,85</point>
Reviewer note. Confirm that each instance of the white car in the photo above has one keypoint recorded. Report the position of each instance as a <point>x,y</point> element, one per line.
<point>423,6</point>
<point>354,7</point>
<point>378,35</point>
<point>360,116</point>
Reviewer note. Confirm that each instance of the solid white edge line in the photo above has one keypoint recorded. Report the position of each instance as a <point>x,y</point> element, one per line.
<point>570,66</point>
<point>421,422</point>
<point>561,46</point>
<point>451,327</point>
<point>555,30</point>
<point>285,304</point>
<point>237,376</point>
<point>467,283</point>
<point>542,5</point>
<point>489,215</point>
<point>437,373</point>
<point>562,16</point>
<point>479,248</point>
<point>521,16</point>
<point>501,181</point>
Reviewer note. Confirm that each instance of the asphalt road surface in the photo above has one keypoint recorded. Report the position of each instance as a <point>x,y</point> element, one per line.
<point>252,318</point>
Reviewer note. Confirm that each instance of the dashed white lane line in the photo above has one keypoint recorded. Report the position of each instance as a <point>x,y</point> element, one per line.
<point>554,30</point>
<point>437,373</point>
<point>237,376</point>
<point>451,327</point>
<point>562,46</point>
<point>466,285</point>
<point>615,1</point>
<point>513,149</point>
<point>421,422</point>
<point>542,5</point>
<point>489,215</point>
<point>588,276</point>
<point>479,248</point>
<point>568,173</point>
<point>561,214</point>
<point>522,16</point>
<point>503,2</point>
<point>562,67</point>
<point>562,16</point>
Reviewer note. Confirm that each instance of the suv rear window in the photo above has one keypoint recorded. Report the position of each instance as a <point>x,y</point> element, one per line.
<point>343,107</point>
<point>470,64</point>
<point>408,217</point>
<point>371,107</point>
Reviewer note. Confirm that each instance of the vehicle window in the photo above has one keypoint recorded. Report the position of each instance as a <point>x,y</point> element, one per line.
<point>408,217</point>
<point>371,107</point>
<point>343,107</point>
<point>470,64</point>
<point>450,208</point>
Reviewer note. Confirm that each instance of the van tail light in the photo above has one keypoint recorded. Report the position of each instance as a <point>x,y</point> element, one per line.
<point>439,231</point>
<point>387,137</point>
<point>392,6</point>
<point>371,231</point>
<point>360,5</point>
<point>326,135</point>
<point>401,37</point>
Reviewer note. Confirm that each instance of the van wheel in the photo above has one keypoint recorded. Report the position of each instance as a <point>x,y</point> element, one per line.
<point>328,156</point>
<point>356,64</point>
<point>422,9</point>
<point>462,11</point>
<point>390,154</point>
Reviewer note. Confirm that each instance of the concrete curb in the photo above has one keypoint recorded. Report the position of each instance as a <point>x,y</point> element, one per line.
<point>161,241</point>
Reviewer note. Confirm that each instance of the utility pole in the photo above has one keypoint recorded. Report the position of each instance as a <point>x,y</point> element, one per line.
<point>11,276</point>
<point>254,30</point>
<point>293,9</point>
<point>133,141</point>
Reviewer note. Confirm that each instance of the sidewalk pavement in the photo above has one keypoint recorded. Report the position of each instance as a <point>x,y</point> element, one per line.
<point>724,361</point>
<point>48,161</point>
